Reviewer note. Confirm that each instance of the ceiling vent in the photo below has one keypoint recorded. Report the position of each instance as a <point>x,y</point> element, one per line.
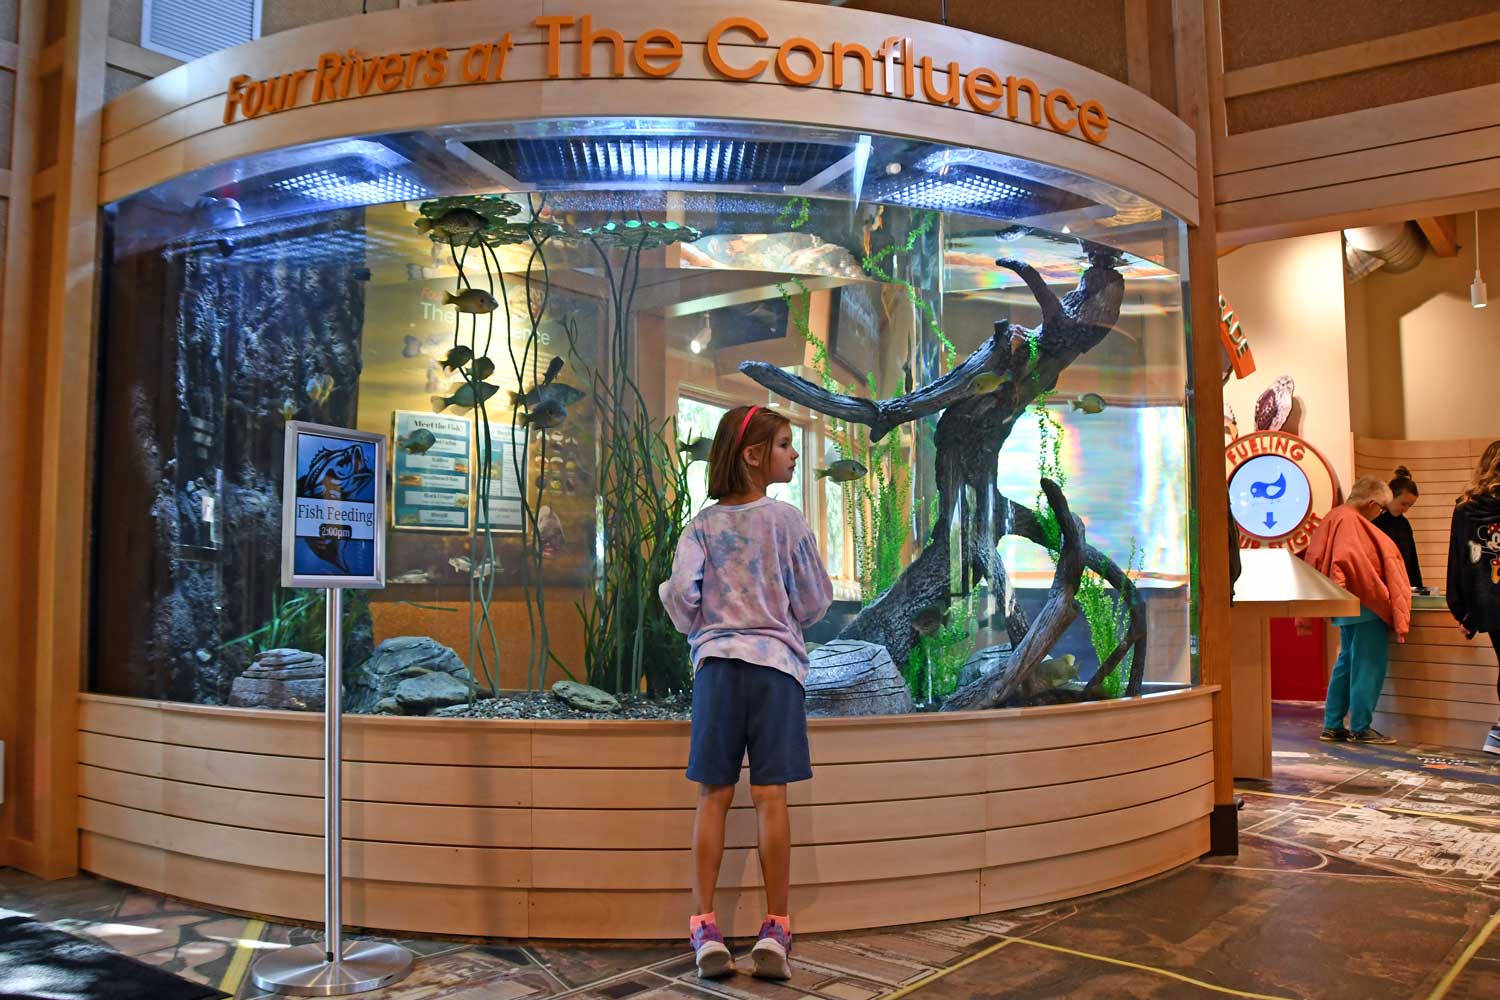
<point>188,29</point>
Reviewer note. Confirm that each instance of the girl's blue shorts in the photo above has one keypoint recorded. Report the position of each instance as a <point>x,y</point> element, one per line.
<point>739,706</point>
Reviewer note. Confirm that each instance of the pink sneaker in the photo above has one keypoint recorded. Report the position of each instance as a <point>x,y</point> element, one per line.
<point>772,953</point>
<point>710,952</point>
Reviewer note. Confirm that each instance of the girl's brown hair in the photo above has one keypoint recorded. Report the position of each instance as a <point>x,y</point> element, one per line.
<point>1486,476</point>
<point>728,474</point>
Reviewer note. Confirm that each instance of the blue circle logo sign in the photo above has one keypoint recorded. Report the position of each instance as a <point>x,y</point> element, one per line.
<point>1279,489</point>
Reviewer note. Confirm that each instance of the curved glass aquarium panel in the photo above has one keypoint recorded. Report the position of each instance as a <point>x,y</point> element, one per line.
<point>983,359</point>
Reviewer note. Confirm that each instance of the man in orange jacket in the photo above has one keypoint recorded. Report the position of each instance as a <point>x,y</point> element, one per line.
<point>1353,553</point>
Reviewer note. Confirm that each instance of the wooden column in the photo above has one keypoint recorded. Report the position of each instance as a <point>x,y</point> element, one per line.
<point>47,406</point>
<point>1199,89</point>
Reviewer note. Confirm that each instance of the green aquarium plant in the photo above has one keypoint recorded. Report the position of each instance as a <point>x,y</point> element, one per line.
<point>629,640</point>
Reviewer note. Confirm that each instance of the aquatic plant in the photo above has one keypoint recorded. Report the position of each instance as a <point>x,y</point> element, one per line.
<point>1108,615</point>
<point>643,493</point>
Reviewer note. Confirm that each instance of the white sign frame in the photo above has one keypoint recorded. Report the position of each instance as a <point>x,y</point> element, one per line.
<point>295,430</point>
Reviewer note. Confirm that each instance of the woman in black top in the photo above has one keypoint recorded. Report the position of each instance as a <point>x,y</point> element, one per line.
<point>1393,522</point>
<point>1474,561</point>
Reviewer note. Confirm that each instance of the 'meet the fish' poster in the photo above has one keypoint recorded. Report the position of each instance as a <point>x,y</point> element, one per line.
<point>430,470</point>
<point>332,533</point>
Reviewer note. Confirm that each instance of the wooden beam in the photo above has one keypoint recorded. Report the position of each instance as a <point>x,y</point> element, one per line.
<point>1195,22</point>
<point>1138,45</point>
<point>52,57</point>
<point>1441,232</point>
<point>134,59</point>
<point>1437,40</point>
<point>1225,251</point>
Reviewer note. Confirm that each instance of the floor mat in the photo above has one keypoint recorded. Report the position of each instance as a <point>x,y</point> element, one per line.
<point>38,962</point>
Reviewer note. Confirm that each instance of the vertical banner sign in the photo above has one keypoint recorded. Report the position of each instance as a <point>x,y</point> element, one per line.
<point>333,503</point>
<point>430,468</point>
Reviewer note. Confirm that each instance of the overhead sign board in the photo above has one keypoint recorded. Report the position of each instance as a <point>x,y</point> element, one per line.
<point>332,507</point>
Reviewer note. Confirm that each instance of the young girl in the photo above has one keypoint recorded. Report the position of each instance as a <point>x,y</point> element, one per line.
<point>1397,528</point>
<point>747,580</point>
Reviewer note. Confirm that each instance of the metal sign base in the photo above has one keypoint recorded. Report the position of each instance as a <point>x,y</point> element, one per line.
<point>305,971</point>
<point>332,968</point>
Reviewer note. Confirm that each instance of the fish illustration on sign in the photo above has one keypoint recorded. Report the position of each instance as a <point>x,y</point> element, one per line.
<point>336,474</point>
<point>1269,491</point>
<point>418,442</point>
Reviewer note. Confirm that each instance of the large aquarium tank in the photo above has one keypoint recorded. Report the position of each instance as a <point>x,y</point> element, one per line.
<point>983,358</point>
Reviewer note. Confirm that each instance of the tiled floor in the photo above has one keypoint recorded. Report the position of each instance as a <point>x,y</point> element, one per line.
<point>1364,873</point>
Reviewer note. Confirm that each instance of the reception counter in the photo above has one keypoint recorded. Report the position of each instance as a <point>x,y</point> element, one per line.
<point>1441,687</point>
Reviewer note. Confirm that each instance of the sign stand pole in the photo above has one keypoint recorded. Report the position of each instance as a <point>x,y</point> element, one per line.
<point>330,969</point>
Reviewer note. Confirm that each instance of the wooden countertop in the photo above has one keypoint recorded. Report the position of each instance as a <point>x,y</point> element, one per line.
<point>1274,583</point>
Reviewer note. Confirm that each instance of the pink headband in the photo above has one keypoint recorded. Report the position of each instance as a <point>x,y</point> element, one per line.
<point>743,424</point>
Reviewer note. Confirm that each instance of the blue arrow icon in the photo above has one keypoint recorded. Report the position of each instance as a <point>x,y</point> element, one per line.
<point>1270,520</point>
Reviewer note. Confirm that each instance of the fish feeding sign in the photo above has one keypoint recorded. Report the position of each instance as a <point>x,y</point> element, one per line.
<point>430,466</point>
<point>332,507</point>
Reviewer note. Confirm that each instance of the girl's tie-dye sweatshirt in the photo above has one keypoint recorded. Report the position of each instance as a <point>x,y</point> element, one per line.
<point>745,583</point>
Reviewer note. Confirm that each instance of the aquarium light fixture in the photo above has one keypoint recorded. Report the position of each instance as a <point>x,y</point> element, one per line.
<point>959,188</point>
<point>327,185</point>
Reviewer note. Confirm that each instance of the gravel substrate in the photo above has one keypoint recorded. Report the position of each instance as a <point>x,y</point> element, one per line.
<point>542,705</point>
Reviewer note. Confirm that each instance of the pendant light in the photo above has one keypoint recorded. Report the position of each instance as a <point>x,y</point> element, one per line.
<point>1478,296</point>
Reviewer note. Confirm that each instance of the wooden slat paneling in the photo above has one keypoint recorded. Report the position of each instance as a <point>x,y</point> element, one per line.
<point>904,838</point>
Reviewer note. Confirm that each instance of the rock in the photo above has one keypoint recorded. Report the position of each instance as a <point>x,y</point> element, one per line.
<point>281,678</point>
<point>848,677</point>
<point>396,660</point>
<point>585,698</point>
<point>422,694</point>
<point>982,663</point>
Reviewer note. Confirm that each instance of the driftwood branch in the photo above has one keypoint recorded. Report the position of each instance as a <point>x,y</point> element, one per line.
<point>1026,525</point>
<point>1059,612</point>
<point>884,415</point>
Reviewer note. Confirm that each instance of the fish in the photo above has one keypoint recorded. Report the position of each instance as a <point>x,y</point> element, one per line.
<point>471,300</point>
<point>697,449</point>
<point>1058,669</point>
<point>412,577</point>
<point>360,274</point>
<point>987,382</point>
<point>907,382</point>
<point>872,227</point>
<point>319,388</point>
<point>418,442</point>
<point>462,565</point>
<point>454,222</point>
<point>411,347</point>
<point>560,392</point>
<point>554,368</point>
<point>483,368</point>
<point>1089,402</point>
<point>549,414</point>
<point>845,470</point>
<point>288,409</point>
<point>457,358</point>
<point>409,479</point>
<point>465,398</point>
<point>929,619</point>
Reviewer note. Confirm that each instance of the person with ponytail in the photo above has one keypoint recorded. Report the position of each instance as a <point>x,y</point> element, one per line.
<point>1393,522</point>
<point>1474,562</point>
<point>747,579</point>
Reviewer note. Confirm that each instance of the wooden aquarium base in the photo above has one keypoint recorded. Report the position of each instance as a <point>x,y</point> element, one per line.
<point>581,829</point>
